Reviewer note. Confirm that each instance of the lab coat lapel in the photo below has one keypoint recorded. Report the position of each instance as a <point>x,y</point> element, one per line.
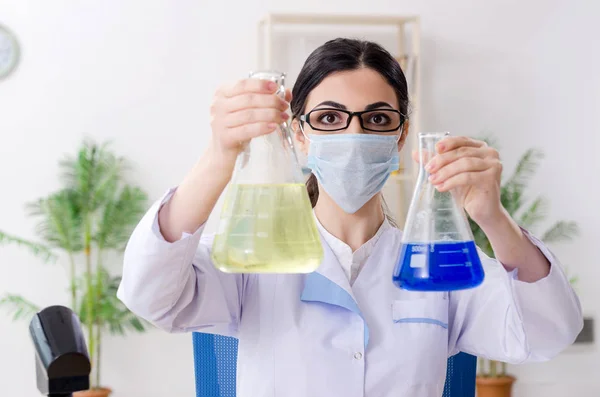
<point>328,284</point>
<point>381,261</point>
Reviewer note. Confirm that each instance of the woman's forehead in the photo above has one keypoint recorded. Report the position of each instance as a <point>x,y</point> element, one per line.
<point>354,88</point>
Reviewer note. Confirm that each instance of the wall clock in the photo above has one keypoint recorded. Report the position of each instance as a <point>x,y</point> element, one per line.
<point>9,52</point>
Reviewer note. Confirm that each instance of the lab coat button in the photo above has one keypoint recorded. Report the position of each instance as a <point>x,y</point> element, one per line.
<point>358,355</point>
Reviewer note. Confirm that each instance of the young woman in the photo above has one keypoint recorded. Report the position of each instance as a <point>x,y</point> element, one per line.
<point>346,330</point>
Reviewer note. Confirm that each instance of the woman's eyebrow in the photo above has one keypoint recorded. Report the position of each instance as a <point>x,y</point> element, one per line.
<point>332,104</point>
<point>372,106</point>
<point>378,105</point>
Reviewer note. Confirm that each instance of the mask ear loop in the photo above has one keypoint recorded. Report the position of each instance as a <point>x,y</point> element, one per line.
<point>399,137</point>
<point>395,148</point>
<point>301,123</point>
<point>401,132</point>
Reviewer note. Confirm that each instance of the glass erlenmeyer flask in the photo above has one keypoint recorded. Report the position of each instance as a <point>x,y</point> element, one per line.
<point>438,252</point>
<point>267,223</point>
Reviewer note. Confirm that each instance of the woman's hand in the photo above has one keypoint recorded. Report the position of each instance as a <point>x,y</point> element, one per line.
<point>242,111</point>
<point>239,113</point>
<point>472,170</point>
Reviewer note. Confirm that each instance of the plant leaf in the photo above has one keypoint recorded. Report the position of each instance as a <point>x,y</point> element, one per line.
<point>94,174</point>
<point>119,218</point>
<point>511,197</point>
<point>60,223</point>
<point>561,231</point>
<point>19,307</point>
<point>136,324</point>
<point>39,250</point>
<point>535,213</point>
<point>481,239</point>
<point>108,310</point>
<point>526,167</point>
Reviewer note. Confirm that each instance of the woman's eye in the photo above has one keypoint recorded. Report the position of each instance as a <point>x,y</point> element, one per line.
<point>329,118</point>
<point>379,119</point>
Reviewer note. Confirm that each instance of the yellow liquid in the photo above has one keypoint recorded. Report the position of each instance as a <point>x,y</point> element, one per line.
<point>267,229</point>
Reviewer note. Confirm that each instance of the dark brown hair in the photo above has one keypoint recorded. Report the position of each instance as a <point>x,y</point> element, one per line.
<point>340,55</point>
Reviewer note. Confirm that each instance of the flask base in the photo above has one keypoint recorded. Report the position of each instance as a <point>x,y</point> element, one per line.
<point>267,228</point>
<point>429,287</point>
<point>438,266</point>
<point>266,268</point>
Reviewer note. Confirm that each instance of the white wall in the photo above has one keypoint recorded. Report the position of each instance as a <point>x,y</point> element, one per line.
<point>143,73</point>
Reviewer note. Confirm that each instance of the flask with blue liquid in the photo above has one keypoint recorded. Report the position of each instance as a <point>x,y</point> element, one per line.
<point>438,250</point>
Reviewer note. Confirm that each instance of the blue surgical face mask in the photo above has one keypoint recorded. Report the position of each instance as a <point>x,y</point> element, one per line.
<point>352,168</point>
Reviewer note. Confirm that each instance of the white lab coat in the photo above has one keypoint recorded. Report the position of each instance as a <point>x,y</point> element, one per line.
<point>315,335</point>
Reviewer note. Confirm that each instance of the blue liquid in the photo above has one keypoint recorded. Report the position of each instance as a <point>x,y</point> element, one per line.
<point>438,266</point>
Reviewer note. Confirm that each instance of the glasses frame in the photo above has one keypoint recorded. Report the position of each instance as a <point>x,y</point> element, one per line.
<point>306,118</point>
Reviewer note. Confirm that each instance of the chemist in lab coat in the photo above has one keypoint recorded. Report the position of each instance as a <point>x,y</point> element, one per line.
<point>346,330</point>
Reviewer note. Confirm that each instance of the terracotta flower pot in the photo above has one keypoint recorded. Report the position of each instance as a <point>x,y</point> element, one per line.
<point>100,392</point>
<point>495,387</point>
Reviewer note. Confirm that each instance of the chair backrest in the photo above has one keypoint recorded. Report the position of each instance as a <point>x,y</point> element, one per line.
<point>215,359</point>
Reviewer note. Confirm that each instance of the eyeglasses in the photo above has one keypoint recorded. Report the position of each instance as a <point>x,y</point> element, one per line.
<point>332,119</point>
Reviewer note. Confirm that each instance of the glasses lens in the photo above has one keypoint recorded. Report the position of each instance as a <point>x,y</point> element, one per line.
<point>382,120</point>
<point>328,119</point>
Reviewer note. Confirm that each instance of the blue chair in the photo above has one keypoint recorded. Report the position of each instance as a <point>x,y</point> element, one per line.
<point>215,359</point>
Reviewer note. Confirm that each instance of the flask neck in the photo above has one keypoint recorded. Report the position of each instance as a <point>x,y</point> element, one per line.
<point>274,76</point>
<point>427,146</point>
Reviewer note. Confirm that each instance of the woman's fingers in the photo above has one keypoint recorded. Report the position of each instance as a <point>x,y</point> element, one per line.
<point>288,95</point>
<point>463,165</point>
<point>247,109</point>
<point>252,101</point>
<point>245,86</point>
<point>465,179</point>
<point>250,116</point>
<point>443,159</point>
<point>454,142</point>
<point>246,132</point>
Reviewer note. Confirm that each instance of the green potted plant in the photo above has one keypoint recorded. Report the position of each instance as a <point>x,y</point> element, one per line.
<point>85,223</point>
<point>493,379</point>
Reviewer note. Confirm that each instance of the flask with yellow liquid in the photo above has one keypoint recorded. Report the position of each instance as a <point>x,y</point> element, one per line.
<point>267,224</point>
